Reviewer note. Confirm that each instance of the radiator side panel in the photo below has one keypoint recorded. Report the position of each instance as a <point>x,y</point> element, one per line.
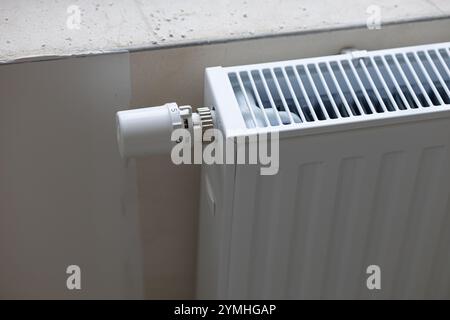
<point>217,185</point>
<point>216,204</point>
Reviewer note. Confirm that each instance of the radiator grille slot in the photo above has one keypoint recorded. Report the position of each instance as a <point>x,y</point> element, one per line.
<point>298,93</point>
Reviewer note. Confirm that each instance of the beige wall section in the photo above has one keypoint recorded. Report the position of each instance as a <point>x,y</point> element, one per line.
<point>168,195</point>
<point>65,196</point>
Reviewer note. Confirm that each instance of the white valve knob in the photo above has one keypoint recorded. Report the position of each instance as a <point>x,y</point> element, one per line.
<point>148,131</point>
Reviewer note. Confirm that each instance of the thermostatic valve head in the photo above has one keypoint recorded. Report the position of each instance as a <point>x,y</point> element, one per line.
<point>147,131</point>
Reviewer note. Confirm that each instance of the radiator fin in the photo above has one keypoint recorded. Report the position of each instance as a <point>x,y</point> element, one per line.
<point>339,88</point>
<point>312,230</point>
<point>439,281</point>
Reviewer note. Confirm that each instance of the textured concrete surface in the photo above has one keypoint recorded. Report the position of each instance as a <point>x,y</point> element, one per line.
<point>48,28</point>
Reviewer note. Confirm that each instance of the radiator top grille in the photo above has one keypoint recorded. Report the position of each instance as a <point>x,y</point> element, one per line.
<point>339,87</point>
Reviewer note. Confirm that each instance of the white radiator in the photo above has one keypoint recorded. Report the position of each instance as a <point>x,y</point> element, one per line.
<point>363,179</point>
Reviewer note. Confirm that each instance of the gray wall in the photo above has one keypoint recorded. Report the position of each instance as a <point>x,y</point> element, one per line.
<point>65,195</point>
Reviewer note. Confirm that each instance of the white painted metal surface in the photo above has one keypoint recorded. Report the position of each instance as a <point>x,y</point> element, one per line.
<point>353,191</point>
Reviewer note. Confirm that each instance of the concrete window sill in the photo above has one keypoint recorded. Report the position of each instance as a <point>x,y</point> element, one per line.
<point>31,30</point>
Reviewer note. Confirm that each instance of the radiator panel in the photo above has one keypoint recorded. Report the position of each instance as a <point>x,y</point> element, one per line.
<point>333,209</point>
<point>336,206</point>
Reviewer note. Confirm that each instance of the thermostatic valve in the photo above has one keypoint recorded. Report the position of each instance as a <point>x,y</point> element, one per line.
<point>147,131</point>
